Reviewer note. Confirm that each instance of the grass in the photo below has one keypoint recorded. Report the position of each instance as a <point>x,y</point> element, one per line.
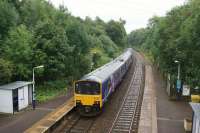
<point>50,90</point>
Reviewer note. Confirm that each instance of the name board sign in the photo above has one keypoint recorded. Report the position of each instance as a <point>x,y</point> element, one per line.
<point>186,90</point>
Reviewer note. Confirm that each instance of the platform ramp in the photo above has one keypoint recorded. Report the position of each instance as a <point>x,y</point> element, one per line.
<point>50,120</point>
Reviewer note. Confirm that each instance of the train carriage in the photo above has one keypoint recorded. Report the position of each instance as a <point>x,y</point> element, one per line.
<point>93,90</point>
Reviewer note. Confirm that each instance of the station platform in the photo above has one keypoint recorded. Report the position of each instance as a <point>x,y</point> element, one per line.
<point>50,119</point>
<point>24,119</point>
<point>159,114</point>
<point>148,116</point>
<point>170,113</point>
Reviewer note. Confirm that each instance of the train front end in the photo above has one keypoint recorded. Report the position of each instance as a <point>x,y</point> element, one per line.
<point>88,98</point>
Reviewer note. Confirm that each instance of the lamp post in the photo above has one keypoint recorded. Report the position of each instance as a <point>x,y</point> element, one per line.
<point>178,83</point>
<point>33,99</point>
<point>179,67</point>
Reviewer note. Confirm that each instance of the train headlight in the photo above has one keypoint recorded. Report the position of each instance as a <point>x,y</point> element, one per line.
<point>78,102</point>
<point>97,102</point>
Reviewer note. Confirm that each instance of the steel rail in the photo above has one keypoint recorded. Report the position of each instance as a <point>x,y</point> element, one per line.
<point>124,119</point>
<point>82,126</point>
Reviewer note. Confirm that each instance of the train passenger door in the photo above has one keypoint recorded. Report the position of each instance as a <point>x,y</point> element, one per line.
<point>109,87</point>
<point>112,83</point>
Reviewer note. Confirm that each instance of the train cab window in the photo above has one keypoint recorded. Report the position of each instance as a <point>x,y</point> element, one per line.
<point>87,87</point>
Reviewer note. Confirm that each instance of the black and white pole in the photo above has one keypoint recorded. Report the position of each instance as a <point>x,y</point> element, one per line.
<point>34,95</point>
<point>179,67</point>
<point>33,99</point>
<point>178,83</point>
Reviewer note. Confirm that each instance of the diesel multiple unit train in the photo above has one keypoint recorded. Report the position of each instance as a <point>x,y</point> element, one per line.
<point>93,90</point>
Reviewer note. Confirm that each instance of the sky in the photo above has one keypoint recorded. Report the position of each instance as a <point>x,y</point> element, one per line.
<point>136,13</point>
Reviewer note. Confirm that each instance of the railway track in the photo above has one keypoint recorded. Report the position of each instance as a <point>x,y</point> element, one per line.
<point>82,126</point>
<point>127,118</point>
<point>74,123</point>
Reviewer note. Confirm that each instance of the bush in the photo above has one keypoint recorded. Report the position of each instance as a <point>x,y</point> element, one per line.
<point>50,90</point>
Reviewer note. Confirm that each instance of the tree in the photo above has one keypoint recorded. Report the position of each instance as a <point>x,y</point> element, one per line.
<point>137,37</point>
<point>109,46</point>
<point>52,49</point>
<point>117,32</point>
<point>34,11</point>
<point>6,69</point>
<point>8,17</point>
<point>33,32</point>
<point>79,40</point>
<point>175,37</point>
<point>18,47</point>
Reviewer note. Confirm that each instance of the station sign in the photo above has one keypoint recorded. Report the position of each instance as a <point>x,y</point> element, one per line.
<point>186,90</point>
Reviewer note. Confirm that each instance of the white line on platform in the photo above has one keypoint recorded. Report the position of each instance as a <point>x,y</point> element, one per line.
<point>168,119</point>
<point>46,109</point>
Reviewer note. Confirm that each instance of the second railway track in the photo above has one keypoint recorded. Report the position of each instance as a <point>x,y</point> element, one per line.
<point>127,118</point>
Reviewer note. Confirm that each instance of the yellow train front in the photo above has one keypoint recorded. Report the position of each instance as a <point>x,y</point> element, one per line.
<point>94,89</point>
<point>88,97</point>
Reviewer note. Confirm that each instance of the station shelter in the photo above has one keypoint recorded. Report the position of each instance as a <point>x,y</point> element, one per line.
<point>15,96</point>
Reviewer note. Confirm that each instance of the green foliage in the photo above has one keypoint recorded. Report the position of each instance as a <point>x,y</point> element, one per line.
<point>8,17</point>
<point>55,88</point>
<point>18,48</point>
<point>137,38</point>
<point>117,32</point>
<point>109,46</point>
<point>53,48</point>
<point>99,57</point>
<point>79,40</point>
<point>33,32</point>
<point>174,37</point>
<point>6,69</point>
<point>34,11</point>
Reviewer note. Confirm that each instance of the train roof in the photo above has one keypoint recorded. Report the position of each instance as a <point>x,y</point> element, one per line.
<point>106,70</point>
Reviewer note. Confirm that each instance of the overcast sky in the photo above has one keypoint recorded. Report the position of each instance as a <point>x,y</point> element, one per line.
<point>135,12</point>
